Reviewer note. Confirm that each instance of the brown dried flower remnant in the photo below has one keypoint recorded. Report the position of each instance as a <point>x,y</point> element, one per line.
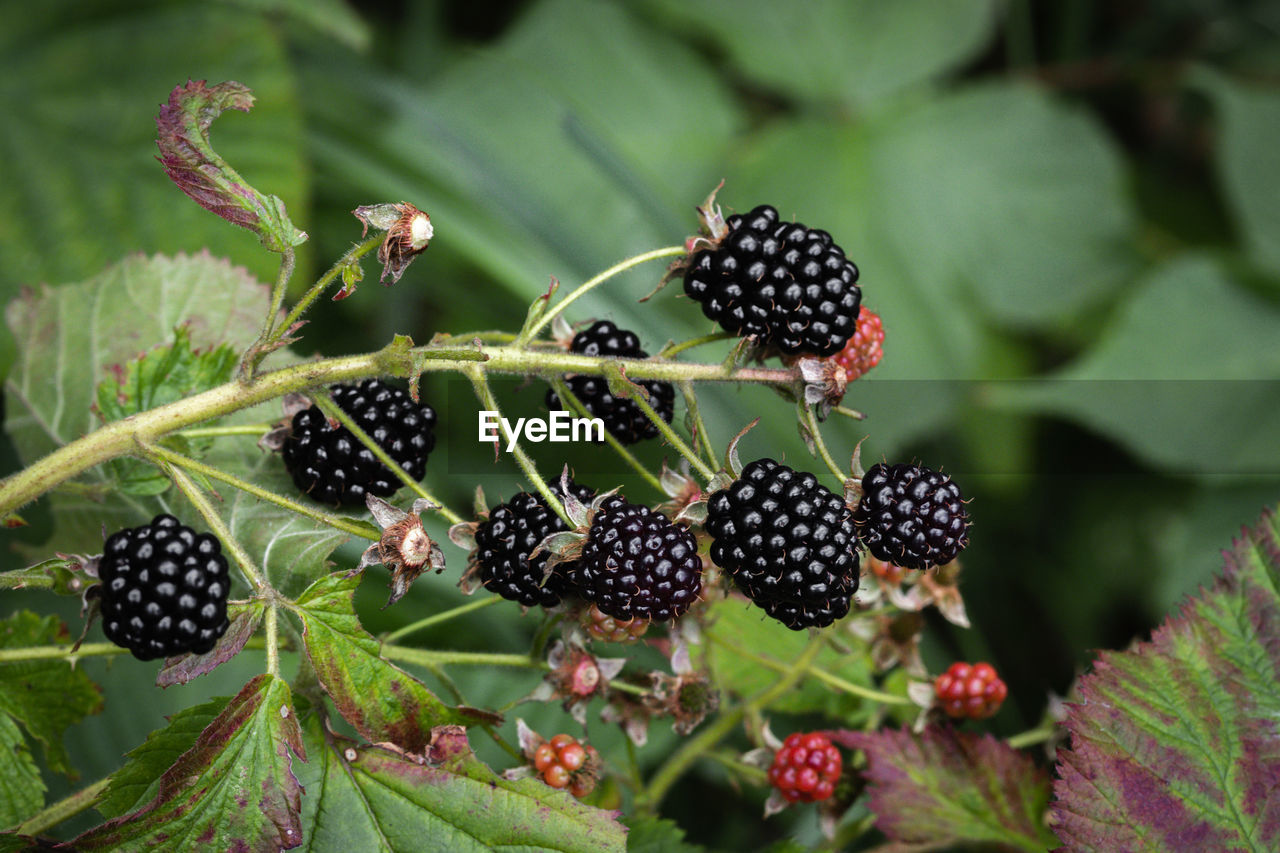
<point>405,548</point>
<point>409,231</point>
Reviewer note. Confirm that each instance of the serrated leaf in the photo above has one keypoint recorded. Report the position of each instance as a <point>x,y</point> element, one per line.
<point>944,787</point>
<point>21,788</point>
<point>138,781</point>
<point>44,696</point>
<point>1175,744</point>
<point>164,374</point>
<point>742,635</point>
<point>657,835</point>
<point>183,668</point>
<point>382,701</point>
<point>369,798</point>
<point>190,161</point>
<point>234,789</point>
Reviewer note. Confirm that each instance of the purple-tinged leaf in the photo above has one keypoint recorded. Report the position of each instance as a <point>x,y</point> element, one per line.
<point>234,789</point>
<point>382,701</point>
<point>183,668</point>
<point>944,787</point>
<point>189,159</point>
<point>374,798</point>
<point>1175,745</point>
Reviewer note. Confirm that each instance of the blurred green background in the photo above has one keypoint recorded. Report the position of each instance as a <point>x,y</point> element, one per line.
<point>1067,213</point>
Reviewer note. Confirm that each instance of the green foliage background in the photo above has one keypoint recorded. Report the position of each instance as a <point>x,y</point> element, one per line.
<point>1067,214</point>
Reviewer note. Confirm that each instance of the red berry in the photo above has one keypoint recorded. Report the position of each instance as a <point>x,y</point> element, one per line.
<point>560,741</point>
<point>806,768</point>
<point>887,572</point>
<point>864,350</point>
<point>557,776</point>
<point>573,756</point>
<point>544,756</point>
<point>973,691</point>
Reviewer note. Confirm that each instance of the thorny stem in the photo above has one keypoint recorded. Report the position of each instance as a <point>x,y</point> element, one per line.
<point>589,284</point>
<point>811,421</point>
<point>693,748</point>
<point>119,438</point>
<point>700,426</point>
<point>333,410</point>
<point>567,396</point>
<point>668,351</point>
<point>63,652</point>
<point>347,525</point>
<point>256,352</point>
<point>638,397</point>
<point>272,626</point>
<point>421,624</point>
<point>64,809</point>
<point>485,395</point>
<point>211,517</point>
<point>218,432</point>
<point>353,255</point>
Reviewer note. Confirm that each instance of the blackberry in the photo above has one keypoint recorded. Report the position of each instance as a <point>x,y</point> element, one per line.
<point>333,467</point>
<point>164,589</point>
<point>781,283</point>
<point>788,542</point>
<point>622,418</point>
<point>505,540</point>
<point>911,516</point>
<point>636,564</point>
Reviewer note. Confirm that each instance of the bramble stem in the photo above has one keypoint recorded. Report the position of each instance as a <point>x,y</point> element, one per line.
<point>830,679</point>
<point>567,396</point>
<point>485,394</point>
<point>216,523</point>
<point>414,627</point>
<point>347,525</point>
<point>668,351</point>
<point>595,281</point>
<point>693,748</point>
<point>218,432</point>
<point>433,657</point>
<point>254,354</point>
<point>354,254</point>
<point>1031,737</point>
<point>811,421</point>
<point>699,425</point>
<point>64,809</point>
<point>672,437</point>
<point>333,410</point>
<point>86,650</point>
<point>272,626</point>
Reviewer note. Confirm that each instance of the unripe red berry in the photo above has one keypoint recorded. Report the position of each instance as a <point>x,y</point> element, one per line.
<point>806,768</point>
<point>573,756</point>
<point>557,776</point>
<point>972,691</point>
<point>544,756</point>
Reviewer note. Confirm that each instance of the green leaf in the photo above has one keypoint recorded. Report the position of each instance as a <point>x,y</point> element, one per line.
<point>45,696</point>
<point>78,159</point>
<point>1175,744</point>
<point>382,701</point>
<point>739,635</point>
<point>234,789</point>
<point>856,51</point>
<point>164,374</point>
<point>138,781</point>
<point>1248,160</point>
<point>375,799</point>
<point>21,788</point>
<point>945,787</point>
<point>657,835</point>
<point>1189,389</point>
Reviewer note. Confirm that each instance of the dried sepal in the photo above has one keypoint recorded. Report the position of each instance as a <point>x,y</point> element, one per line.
<point>409,232</point>
<point>732,464</point>
<point>825,382</point>
<point>405,548</point>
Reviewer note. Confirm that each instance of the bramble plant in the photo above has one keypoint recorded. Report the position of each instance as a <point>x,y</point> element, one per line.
<point>227,471</point>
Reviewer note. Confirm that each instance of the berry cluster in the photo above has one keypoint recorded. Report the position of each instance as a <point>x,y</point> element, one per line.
<point>637,564</point>
<point>566,763</point>
<point>973,691</point>
<point>164,589</point>
<point>780,283</point>
<point>328,463</point>
<point>911,516</point>
<point>788,542</point>
<point>806,768</point>
<point>622,418</point>
<point>509,535</point>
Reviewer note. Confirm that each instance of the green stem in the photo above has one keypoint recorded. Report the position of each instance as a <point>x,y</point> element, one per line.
<point>703,437</point>
<point>64,809</point>
<point>354,254</point>
<point>828,678</point>
<point>675,766</point>
<point>219,527</point>
<point>347,525</point>
<point>254,355</point>
<point>668,433</point>
<point>1031,737</point>
<point>218,432</point>
<point>673,349</point>
<point>422,624</point>
<point>272,625</point>
<point>484,394</point>
<point>86,650</point>
<point>333,410</point>
<point>567,396</point>
<point>432,657</point>
<point>811,421</point>
<point>585,287</point>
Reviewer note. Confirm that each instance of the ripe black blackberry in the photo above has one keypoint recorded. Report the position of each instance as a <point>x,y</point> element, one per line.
<point>911,516</point>
<point>164,589</point>
<point>509,535</point>
<point>781,283</point>
<point>788,542</point>
<point>636,564</point>
<point>622,417</point>
<point>333,467</point>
